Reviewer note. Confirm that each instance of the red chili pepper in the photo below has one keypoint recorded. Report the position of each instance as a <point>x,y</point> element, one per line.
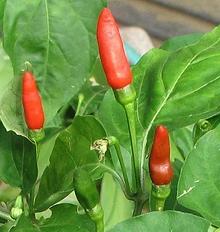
<point>32,104</point>
<point>161,171</point>
<point>114,60</point>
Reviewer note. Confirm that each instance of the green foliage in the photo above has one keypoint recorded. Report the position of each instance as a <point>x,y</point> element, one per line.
<point>62,58</point>
<point>199,180</point>
<point>18,165</point>
<point>71,150</point>
<point>164,221</point>
<point>2,6</point>
<point>116,207</point>
<point>85,189</point>
<point>64,218</point>
<point>177,85</point>
<point>179,42</point>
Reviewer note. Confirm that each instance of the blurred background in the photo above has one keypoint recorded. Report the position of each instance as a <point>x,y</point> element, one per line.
<point>163,19</point>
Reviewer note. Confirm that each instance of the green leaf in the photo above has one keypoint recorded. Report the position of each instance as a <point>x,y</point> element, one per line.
<point>99,74</point>
<point>186,77</point>
<point>183,140</point>
<point>45,149</point>
<point>164,221</point>
<point>8,193</point>
<point>205,125</point>
<point>171,201</point>
<point>179,80</point>
<point>6,227</point>
<point>116,207</point>
<point>59,40</point>
<point>18,165</point>
<point>199,183</point>
<point>91,96</point>
<point>71,150</point>
<point>2,7</point>
<point>64,218</point>
<point>190,77</point>
<point>6,72</point>
<point>179,42</point>
<point>145,78</point>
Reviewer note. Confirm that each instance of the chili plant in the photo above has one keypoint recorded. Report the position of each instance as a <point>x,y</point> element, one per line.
<point>138,152</point>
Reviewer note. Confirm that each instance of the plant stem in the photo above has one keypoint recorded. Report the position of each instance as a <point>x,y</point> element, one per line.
<point>100,226</point>
<point>80,101</point>
<point>31,203</point>
<point>97,215</point>
<point>6,216</point>
<point>126,192</point>
<point>138,208</point>
<point>131,119</point>
<point>114,141</point>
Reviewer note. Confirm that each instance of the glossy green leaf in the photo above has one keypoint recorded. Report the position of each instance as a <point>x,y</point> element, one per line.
<point>18,165</point>
<point>205,125</point>
<point>171,83</point>
<point>116,207</point>
<point>99,74</point>
<point>6,72</point>
<point>164,221</point>
<point>58,39</point>
<point>64,218</point>
<point>179,42</point>
<point>8,193</point>
<point>199,180</point>
<point>189,77</point>
<point>183,140</point>
<point>145,73</point>
<point>71,150</point>
<point>6,227</point>
<point>90,97</point>
<point>2,7</point>
<point>171,201</point>
<point>45,149</point>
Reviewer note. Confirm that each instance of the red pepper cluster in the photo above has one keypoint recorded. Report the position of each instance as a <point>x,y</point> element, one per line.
<point>118,74</point>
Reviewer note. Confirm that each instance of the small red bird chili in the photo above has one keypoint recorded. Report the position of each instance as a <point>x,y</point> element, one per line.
<point>112,54</point>
<point>32,104</point>
<point>161,171</point>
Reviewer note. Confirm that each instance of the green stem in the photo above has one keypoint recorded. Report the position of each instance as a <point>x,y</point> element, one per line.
<point>114,141</point>
<point>105,168</point>
<point>158,197</point>
<point>100,226</point>
<point>131,119</point>
<point>80,101</point>
<point>31,204</point>
<point>138,208</point>
<point>6,216</point>
<point>97,215</point>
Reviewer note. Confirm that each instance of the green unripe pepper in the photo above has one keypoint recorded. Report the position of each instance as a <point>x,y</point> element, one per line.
<point>88,196</point>
<point>85,189</point>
